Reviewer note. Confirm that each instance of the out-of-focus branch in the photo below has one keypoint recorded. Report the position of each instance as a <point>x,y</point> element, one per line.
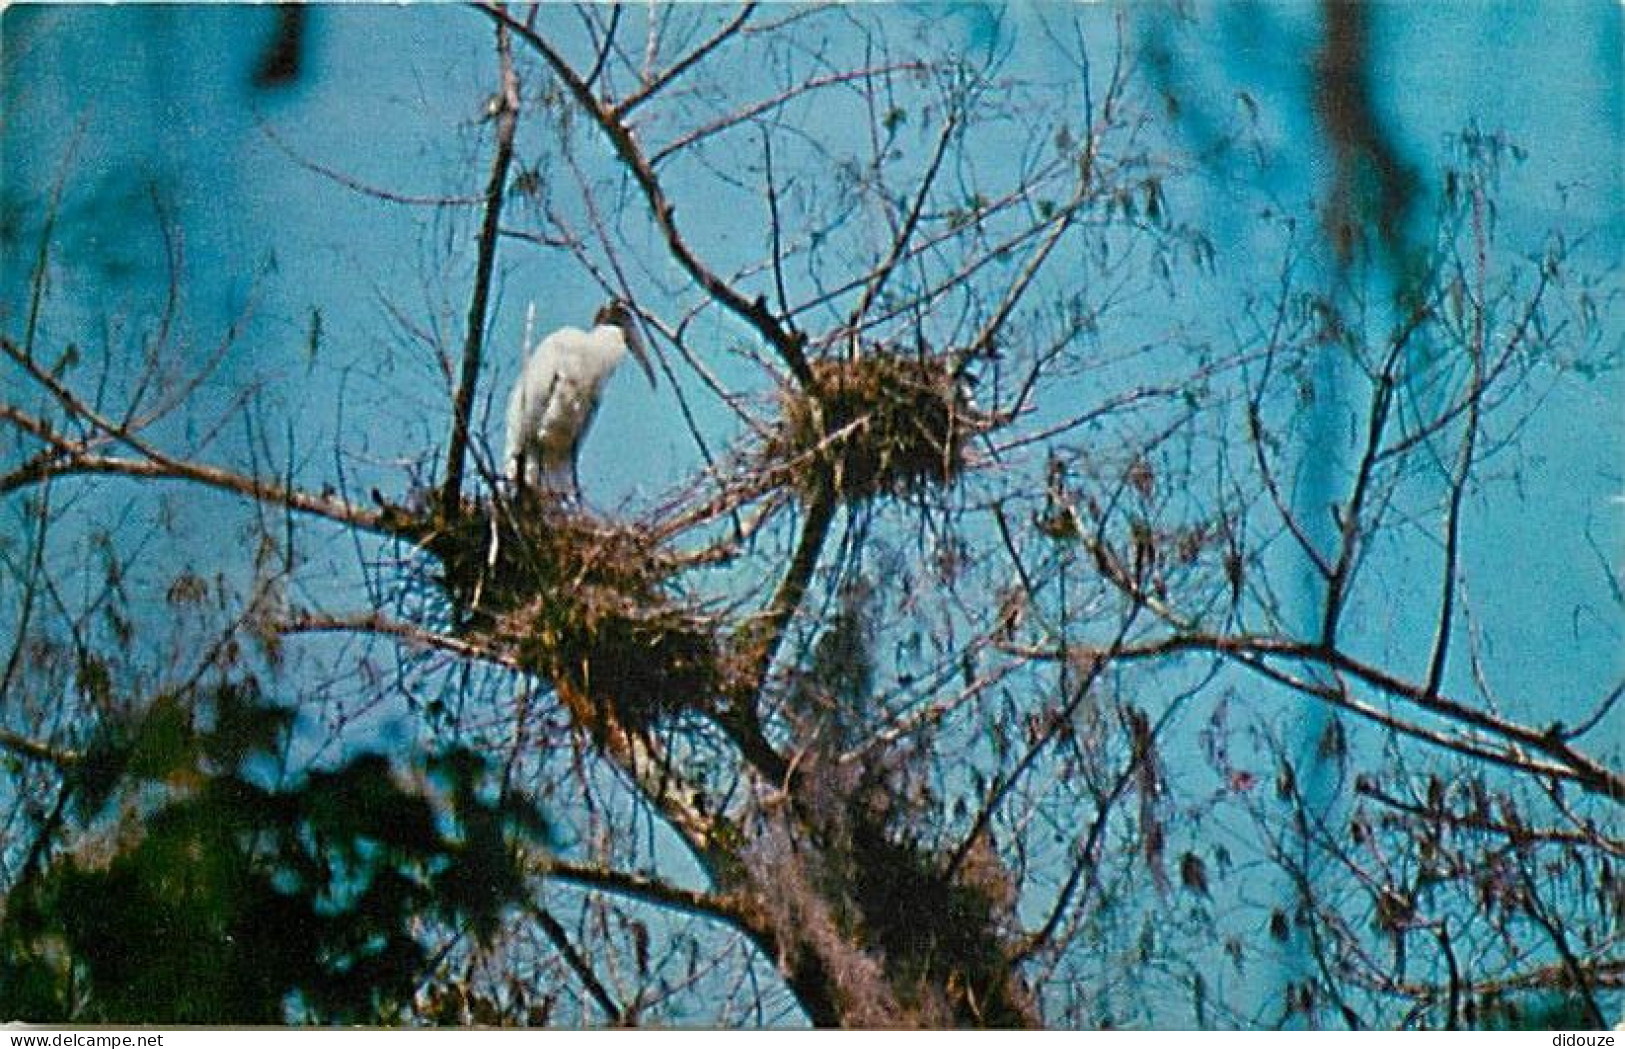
<point>42,257</point>
<point>1368,164</point>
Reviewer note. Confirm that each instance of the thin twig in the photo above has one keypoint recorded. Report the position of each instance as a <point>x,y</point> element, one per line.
<point>1464,461</point>
<point>624,108</point>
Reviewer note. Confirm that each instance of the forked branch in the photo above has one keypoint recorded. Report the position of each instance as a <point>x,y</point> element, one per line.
<point>755,312</point>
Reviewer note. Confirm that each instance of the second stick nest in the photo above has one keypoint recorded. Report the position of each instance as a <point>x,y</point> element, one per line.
<point>883,424</point>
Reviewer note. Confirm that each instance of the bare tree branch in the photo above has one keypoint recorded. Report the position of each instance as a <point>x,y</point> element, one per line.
<point>505,111</point>
<point>755,312</point>
<point>1567,762</point>
<point>578,964</point>
<point>624,108</point>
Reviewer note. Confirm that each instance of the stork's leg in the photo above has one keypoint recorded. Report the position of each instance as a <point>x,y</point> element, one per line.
<point>575,472</point>
<point>575,446</point>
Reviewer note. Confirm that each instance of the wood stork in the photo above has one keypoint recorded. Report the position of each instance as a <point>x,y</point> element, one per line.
<point>557,395</point>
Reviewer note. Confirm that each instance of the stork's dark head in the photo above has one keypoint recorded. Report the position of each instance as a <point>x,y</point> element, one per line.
<point>618,314</point>
<point>614,312</point>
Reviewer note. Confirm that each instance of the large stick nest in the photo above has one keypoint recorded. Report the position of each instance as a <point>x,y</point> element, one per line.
<point>585,604</point>
<point>883,424</point>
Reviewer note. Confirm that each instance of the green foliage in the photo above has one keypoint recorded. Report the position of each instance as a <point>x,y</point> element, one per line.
<point>214,898</point>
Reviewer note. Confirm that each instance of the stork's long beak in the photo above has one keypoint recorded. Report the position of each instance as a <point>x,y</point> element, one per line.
<point>634,342</point>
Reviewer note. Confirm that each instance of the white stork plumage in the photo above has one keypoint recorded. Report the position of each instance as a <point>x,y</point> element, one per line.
<point>557,395</point>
